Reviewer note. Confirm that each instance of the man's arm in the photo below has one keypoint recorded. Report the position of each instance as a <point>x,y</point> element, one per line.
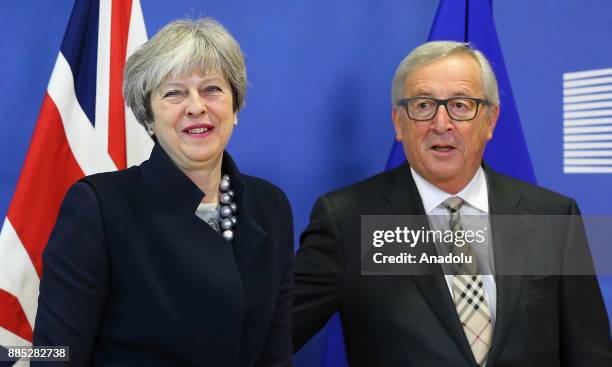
<point>585,328</point>
<point>318,274</point>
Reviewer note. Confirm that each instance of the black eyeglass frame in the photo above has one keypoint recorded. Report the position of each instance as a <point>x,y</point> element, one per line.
<point>442,102</point>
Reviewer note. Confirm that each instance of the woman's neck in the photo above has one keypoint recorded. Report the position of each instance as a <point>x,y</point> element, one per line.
<point>208,181</point>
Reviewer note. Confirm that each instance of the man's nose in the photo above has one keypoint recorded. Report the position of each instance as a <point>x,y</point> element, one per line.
<point>442,122</point>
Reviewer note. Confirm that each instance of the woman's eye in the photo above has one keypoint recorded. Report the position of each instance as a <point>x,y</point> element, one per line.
<point>213,89</point>
<point>173,93</point>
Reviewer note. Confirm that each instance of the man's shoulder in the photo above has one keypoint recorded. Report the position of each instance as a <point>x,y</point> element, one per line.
<point>532,198</point>
<point>371,183</point>
<point>369,191</point>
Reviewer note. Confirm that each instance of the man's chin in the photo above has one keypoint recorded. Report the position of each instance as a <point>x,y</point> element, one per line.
<point>446,167</point>
<point>445,174</point>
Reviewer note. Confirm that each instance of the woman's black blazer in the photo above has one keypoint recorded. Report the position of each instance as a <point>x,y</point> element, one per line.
<point>132,277</point>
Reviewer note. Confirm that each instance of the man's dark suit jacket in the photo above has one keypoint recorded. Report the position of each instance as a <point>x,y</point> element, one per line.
<point>411,320</point>
<point>132,277</point>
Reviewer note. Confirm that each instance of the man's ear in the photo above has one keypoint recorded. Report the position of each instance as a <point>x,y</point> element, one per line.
<point>492,116</point>
<point>395,116</point>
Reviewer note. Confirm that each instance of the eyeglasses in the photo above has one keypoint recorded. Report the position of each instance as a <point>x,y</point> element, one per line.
<point>425,108</point>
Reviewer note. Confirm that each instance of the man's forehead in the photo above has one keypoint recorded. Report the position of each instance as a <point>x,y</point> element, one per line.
<point>450,89</point>
<point>452,75</point>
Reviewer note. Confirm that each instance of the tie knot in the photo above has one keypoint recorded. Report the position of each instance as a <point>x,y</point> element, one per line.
<point>453,204</point>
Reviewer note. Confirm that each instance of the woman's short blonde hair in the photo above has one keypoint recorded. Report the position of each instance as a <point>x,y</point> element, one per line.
<point>177,49</point>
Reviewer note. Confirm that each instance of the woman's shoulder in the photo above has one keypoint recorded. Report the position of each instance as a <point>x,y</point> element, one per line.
<point>260,187</point>
<point>115,183</point>
<point>269,198</point>
<point>121,177</point>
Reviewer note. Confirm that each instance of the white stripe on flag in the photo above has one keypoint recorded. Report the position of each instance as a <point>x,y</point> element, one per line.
<point>587,153</point>
<point>586,106</point>
<point>587,137</point>
<point>138,144</point>
<point>590,129</point>
<point>583,122</point>
<point>103,75</point>
<point>587,98</point>
<point>592,113</point>
<point>17,273</point>
<point>587,145</point>
<point>585,90</point>
<point>7,338</point>
<point>587,162</point>
<point>586,74</point>
<point>589,81</point>
<point>586,169</point>
<point>79,131</point>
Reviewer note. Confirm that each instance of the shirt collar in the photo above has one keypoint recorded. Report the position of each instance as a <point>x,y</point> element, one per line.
<point>475,193</point>
<point>173,190</point>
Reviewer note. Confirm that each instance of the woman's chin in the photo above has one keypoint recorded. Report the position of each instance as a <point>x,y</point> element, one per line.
<point>201,158</point>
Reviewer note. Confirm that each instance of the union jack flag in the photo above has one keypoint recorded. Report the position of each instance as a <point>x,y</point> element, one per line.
<point>84,127</point>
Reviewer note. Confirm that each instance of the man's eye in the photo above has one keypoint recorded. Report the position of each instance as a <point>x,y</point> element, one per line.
<point>424,105</point>
<point>463,106</point>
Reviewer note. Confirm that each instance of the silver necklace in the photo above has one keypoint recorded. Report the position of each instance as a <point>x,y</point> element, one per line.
<point>228,209</point>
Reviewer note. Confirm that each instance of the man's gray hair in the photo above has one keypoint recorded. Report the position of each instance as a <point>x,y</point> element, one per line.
<point>177,49</point>
<point>429,52</point>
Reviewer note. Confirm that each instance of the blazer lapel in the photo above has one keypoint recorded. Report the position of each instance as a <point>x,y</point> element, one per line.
<point>248,234</point>
<point>403,198</point>
<point>510,245</point>
<point>175,194</point>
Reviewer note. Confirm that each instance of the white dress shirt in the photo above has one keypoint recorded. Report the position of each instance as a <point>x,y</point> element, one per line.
<point>476,208</point>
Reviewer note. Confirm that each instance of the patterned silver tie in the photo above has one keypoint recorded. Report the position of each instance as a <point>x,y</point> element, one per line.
<point>468,292</point>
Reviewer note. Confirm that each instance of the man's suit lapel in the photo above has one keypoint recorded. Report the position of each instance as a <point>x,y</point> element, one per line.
<point>510,244</point>
<point>511,237</point>
<point>403,198</point>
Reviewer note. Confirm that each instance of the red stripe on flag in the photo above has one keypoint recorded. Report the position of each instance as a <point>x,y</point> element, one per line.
<point>120,26</point>
<point>12,317</point>
<point>48,172</point>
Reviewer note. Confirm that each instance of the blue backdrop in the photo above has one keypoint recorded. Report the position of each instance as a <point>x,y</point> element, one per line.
<point>318,103</point>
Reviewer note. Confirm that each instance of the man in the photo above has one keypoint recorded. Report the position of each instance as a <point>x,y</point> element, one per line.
<point>445,107</point>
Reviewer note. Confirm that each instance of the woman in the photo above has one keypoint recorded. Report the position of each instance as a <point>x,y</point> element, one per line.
<point>183,260</point>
